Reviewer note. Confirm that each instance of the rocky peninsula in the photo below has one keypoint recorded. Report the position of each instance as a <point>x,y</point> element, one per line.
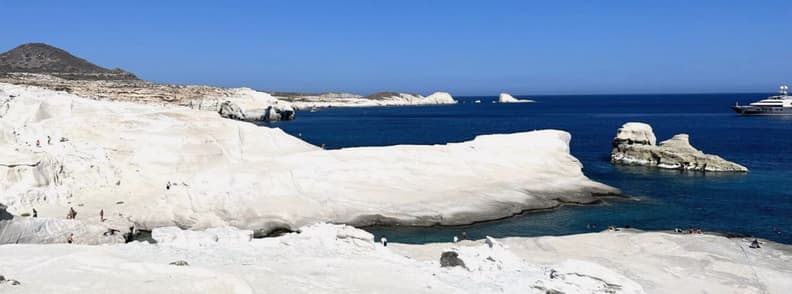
<point>310,101</point>
<point>635,144</point>
<point>193,169</point>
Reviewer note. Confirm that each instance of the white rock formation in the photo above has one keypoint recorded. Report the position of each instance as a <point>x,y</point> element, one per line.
<point>308,101</point>
<point>340,259</point>
<point>55,230</point>
<point>507,98</point>
<point>635,133</point>
<point>173,236</point>
<point>634,144</point>
<point>258,105</point>
<point>164,166</point>
<point>246,104</point>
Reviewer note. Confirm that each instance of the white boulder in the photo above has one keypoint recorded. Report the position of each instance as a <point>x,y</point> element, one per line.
<point>635,133</point>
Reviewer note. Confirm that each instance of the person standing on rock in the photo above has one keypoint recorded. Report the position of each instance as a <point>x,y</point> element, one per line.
<point>464,235</point>
<point>384,241</point>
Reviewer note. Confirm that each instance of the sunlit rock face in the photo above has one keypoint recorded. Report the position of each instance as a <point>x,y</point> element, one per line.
<point>155,166</point>
<point>634,144</point>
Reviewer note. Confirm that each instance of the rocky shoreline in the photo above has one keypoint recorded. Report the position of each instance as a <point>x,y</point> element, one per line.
<point>193,169</point>
<point>337,258</point>
<point>149,166</point>
<point>303,101</point>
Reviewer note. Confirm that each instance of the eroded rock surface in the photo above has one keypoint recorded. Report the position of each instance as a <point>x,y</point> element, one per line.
<point>158,166</point>
<point>634,144</point>
<point>507,98</point>
<point>309,101</point>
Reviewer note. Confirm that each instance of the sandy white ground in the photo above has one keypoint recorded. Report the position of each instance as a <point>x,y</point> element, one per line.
<point>159,166</point>
<point>340,259</point>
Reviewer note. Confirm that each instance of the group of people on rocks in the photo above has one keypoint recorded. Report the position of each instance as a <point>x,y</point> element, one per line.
<point>690,230</point>
<point>464,237</point>
<point>73,214</point>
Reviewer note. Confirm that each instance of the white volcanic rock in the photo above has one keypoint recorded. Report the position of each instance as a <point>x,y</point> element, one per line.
<point>634,144</point>
<point>439,98</point>
<point>172,166</point>
<point>54,230</point>
<point>308,101</point>
<point>246,104</point>
<point>231,110</point>
<point>173,236</point>
<point>259,105</point>
<point>635,133</point>
<point>654,262</point>
<point>507,98</point>
<point>339,259</point>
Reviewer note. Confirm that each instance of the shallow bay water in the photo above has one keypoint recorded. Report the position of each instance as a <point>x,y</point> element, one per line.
<point>758,203</point>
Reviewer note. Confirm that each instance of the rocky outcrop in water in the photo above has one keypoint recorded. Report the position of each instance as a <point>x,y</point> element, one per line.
<point>506,98</point>
<point>634,144</point>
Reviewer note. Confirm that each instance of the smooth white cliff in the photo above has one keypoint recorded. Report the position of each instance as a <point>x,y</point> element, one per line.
<point>157,166</point>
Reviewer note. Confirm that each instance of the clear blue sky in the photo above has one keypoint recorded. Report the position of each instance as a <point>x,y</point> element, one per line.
<point>466,48</point>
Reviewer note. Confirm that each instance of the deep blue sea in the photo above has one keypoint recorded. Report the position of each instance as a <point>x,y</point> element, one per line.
<point>758,203</point>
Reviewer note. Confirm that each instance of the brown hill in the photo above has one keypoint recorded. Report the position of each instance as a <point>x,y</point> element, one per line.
<point>46,59</point>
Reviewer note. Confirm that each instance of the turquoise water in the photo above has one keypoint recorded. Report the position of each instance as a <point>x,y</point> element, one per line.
<point>758,203</point>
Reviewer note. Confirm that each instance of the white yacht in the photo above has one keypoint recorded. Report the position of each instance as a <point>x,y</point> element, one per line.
<point>774,105</point>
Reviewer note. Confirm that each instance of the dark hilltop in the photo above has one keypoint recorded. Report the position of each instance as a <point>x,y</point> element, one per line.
<point>45,59</point>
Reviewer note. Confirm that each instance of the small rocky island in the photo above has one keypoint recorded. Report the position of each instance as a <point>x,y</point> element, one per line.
<point>634,144</point>
<point>507,98</point>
